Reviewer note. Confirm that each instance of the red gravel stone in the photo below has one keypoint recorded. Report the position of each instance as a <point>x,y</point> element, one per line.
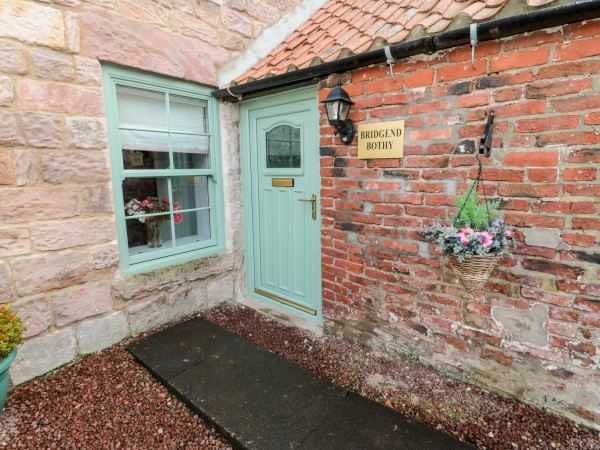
<point>110,401</point>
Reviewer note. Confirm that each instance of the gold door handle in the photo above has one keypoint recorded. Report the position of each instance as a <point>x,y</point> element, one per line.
<point>313,200</point>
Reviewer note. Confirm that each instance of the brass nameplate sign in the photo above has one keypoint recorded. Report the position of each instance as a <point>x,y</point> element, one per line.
<point>285,182</point>
<point>381,140</point>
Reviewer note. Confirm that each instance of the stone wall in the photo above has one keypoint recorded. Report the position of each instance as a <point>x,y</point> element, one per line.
<point>58,251</point>
<point>534,330</point>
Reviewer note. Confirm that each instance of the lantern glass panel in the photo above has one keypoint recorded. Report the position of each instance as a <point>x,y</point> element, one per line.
<point>332,111</point>
<point>344,109</point>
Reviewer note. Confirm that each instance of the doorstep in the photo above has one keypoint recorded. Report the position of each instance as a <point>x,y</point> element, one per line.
<point>258,400</point>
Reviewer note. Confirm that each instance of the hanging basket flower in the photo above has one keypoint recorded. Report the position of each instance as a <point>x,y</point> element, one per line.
<point>474,240</point>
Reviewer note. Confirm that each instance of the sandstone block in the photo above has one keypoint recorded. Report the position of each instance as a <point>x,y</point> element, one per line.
<point>25,167</point>
<point>148,315</point>
<point>78,302</point>
<point>74,167</point>
<point>48,96</point>
<point>185,5</point>
<point>6,291</point>
<point>88,70</point>
<point>97,199</point>
<point>524,326</point>
<point>42,354</point>
<point>32,23</point>
<point>13,58</point>
<point>24,205</point>
<point>544,237</point>
<point>11,133</point>
<point>73,32</point>
<point>187,301</point>
<point>237,22</point>
<point>14,241</point>
<point>220,290</point>
<point>121,40</point>
<point>42,130</point>
<point>104,256</point>
<point>97,334</point>
<point>146,12</point>
<point>196,28</point>
<point>209,12</point>
<point>72,233</point>
<point>49,271</point>
<point>53,65</point>
<point>232,41</point>
<point>262,12</point>
<point>240,5</point>
<point>86,133</point>
<point>36,316</point>
<point>7,91</point>
<point>6,176</point>
<point>172,277</point>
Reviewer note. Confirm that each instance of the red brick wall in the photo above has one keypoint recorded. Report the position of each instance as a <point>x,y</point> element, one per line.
<point>534,330</point>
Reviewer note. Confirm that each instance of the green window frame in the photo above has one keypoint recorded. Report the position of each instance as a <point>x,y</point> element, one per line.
<point>206,214</point>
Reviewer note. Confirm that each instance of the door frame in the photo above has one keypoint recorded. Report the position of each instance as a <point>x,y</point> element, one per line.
<point>248,182</point>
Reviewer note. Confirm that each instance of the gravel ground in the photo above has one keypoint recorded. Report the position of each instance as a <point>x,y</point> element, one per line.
<point>110,401</point>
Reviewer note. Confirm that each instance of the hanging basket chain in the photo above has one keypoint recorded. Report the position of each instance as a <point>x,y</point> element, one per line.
<point>475,185</point>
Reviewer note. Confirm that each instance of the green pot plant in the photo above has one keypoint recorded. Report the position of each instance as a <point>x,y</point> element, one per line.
<point>474,240</point>
<point>11,332</point>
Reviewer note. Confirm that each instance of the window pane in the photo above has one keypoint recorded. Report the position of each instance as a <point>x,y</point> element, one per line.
<point>192,227</point>
<point>149,236</point>
<point>145,149</point>
<point>188,114</point>
<point>140,108</point>
<point>190,192</point>
<point>283,147</point>
<point>190,151</point>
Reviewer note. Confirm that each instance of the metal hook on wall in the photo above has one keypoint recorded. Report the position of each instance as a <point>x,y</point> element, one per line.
<point>486,138</point>
<point>474,42</point>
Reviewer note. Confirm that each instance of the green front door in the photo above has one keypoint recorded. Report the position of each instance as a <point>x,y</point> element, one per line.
<point>280,150</point>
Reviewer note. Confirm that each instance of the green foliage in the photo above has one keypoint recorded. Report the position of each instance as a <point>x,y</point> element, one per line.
<point>11,330</point>
<point>473,213</point>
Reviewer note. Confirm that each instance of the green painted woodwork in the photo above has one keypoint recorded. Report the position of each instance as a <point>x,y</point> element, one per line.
<point>283,251</point>
<point>131,264</point>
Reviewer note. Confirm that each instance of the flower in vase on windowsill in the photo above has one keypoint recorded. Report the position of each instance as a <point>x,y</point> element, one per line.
<point>152,205</point>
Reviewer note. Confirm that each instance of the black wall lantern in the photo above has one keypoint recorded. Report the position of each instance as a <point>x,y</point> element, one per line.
<point>337,105</point>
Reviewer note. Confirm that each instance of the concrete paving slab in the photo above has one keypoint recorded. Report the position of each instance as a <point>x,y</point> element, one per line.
<point>359,423</point>
<point>259,400</point>
<point>181,346</point>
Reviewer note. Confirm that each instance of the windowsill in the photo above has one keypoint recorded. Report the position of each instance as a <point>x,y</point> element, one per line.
<point>167,245</point>
<point>167,261</point>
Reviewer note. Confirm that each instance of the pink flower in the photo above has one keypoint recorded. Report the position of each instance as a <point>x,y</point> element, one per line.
<point>486,238</point>
<point>465,235</point>
<point>509,233</point>
<point>177,206</point>
<point>177,218</point>
<point>165,200</point>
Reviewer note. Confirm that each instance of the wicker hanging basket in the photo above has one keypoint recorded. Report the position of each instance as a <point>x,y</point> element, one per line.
<point>474,271</point>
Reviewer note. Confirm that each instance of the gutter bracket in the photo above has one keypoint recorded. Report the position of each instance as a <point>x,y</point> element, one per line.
<point>390,61</point>
<point>474,42</point>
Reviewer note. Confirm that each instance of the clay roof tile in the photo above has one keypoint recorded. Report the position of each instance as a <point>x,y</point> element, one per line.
<point>345,27</point>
